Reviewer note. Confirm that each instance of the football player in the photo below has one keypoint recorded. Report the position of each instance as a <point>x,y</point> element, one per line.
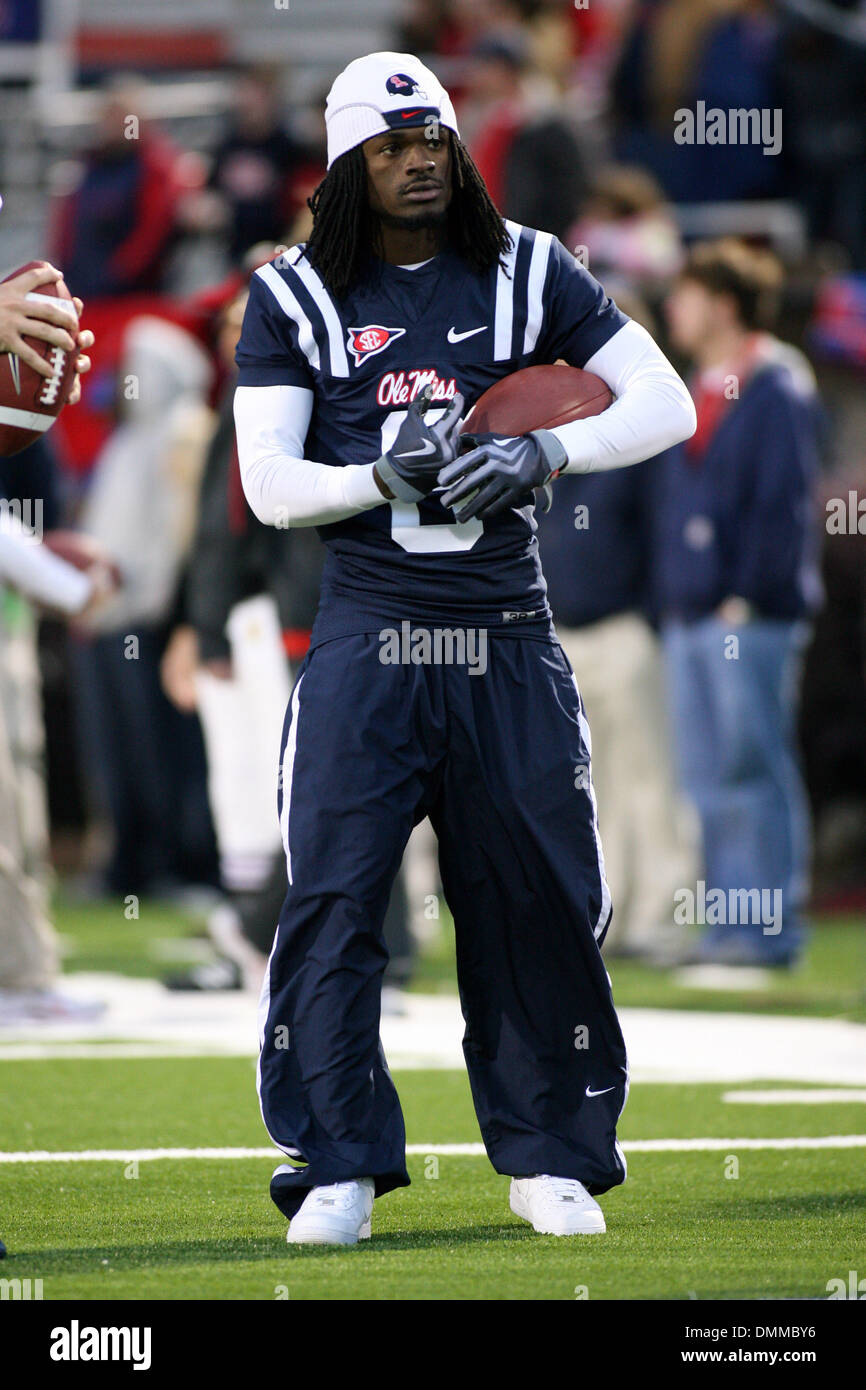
<point>360,351</point>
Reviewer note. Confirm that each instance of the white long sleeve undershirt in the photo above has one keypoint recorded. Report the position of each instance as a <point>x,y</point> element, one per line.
<point>282,487</point>
<point>30,567</point>
<point>652,411</point>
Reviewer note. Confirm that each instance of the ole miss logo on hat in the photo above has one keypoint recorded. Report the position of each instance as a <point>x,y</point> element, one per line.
<point>366,342</point>
<point>400,85</point>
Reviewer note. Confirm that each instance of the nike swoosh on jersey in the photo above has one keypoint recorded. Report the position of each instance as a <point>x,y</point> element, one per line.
<point>599,1093</point>
<point>455,337</point>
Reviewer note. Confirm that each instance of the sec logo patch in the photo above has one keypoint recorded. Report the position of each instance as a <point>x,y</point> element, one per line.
<point>366,342</point>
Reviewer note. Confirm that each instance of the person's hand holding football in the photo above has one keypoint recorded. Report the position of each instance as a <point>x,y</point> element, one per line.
<point>22,318</point>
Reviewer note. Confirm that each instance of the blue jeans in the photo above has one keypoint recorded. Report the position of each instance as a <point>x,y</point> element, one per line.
<point>733,712</point>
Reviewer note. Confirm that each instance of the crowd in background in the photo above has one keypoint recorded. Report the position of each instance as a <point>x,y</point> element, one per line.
<point>159,779</point>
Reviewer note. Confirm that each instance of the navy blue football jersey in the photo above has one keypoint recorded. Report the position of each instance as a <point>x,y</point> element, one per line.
<point>365,357</point>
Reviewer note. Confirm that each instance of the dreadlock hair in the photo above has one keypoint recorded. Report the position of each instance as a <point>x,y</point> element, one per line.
<point>346,231</point>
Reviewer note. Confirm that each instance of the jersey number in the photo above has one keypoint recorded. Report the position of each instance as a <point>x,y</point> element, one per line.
<point>406,528</point>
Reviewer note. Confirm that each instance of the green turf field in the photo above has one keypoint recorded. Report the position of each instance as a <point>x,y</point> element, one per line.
<point>682,1227</point>
<point>205,1228</point>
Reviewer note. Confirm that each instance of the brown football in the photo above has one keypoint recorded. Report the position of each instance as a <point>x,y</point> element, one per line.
<point>30,403</point>
<point>538,398</point>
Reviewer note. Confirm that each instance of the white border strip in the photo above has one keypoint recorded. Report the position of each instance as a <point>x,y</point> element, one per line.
<point>26,419</point>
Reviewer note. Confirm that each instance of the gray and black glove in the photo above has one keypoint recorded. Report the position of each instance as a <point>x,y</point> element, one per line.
<point>411,466</point>
<point>499,471</point>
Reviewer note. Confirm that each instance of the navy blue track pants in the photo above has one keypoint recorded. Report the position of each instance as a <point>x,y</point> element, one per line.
<point>500,763</point>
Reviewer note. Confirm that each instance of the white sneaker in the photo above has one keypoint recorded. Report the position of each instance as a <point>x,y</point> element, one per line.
<point>335,1215</point>
<point>556,1206</point>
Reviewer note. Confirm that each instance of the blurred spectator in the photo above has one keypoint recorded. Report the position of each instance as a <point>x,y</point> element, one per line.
<point>142,504</point>
<point>476,18</point>
<point>676,53</point>
<point>629,232</point>
<point>29,956</point>
<point>526,153</point>
<point>736,575</point>
<point>823,89</point>
<point>595,551</point>
<point>833,715</point>
<point>32,479</point>
<point>250,598</point>
<point>31,575</point>
<point>427,27</point>
<point>838,327</point>
<point>249,603</point>
<point>115,228</point>
<point>255,165</point>
<point>234,556</point>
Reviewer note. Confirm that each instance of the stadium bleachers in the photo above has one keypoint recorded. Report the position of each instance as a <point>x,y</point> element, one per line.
<point>314,38</point>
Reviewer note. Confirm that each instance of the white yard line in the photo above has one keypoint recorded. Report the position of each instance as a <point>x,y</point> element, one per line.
<point>58,1050</point>
<point>824,1141</point>
<point>832,1141</point>
<point>826,1095</point>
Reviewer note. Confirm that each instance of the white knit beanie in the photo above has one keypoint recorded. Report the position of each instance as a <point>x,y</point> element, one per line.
<point>382,92</point>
